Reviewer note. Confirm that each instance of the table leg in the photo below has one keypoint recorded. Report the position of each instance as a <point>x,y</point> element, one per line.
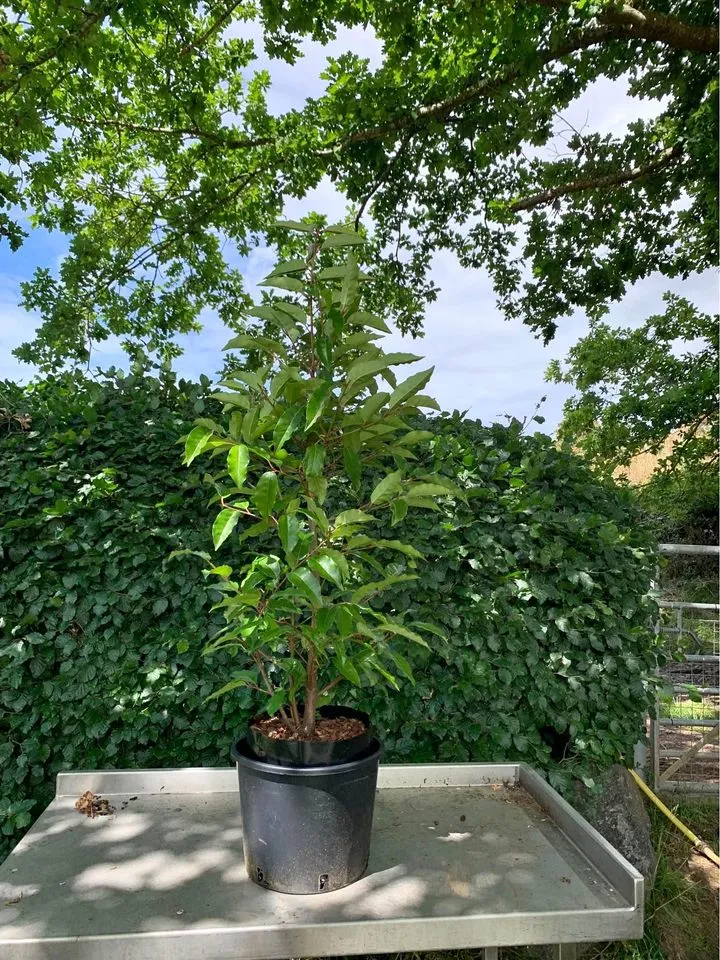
<point>491,953</point>
<point>565,951</point>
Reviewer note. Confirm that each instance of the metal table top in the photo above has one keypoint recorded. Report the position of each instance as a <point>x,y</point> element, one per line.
<point>463,855</point>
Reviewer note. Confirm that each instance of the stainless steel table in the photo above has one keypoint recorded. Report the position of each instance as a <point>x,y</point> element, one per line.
<point>463,855</point>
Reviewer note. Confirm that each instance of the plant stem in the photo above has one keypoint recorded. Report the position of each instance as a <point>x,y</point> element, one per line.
<point>311,693</point>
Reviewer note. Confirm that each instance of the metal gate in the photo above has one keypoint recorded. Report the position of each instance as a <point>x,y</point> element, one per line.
<point>685,732</point>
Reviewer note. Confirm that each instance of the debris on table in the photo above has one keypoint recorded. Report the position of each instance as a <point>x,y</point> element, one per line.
<point>93,805</point>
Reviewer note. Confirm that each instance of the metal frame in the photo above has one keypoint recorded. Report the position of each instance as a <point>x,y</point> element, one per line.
<point>318,931</point>
<point>662,780</point>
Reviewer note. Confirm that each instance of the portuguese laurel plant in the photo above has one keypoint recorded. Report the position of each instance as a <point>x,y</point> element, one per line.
<point>322,407</point>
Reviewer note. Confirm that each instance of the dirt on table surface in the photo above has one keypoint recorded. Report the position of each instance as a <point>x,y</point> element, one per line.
<point>326,728</point>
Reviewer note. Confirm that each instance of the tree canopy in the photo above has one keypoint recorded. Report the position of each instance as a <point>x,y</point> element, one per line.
<point>640,388</point>
<point>142,131</point>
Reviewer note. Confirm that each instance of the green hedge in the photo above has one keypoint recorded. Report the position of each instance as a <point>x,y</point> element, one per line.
<point>539,582</point>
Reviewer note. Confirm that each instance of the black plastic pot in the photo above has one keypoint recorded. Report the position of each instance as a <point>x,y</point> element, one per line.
<point>313,753</point>
<point>306,830</point>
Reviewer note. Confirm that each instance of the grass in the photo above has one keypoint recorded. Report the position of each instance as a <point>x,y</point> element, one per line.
<point>688,710</point>
<point>682,913</point>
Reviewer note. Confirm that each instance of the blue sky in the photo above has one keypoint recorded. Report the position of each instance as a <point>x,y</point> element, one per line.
<point>482,363</point>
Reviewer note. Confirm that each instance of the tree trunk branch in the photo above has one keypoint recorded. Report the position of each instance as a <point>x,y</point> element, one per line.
<point>620,177</point>
<point>646,24</point>
<point>489,87</point>
<point>227,142</point>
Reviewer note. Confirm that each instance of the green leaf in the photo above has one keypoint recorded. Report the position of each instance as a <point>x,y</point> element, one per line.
<point>288,266</point>
<point>400,547</point>
<point>348,517</point>
<point>224,524</point>
<point>325,563</point>
<point>284,283</point>
<point>350,295</point>
<point>377,586</point>
<point>317,487</point>
<point>265,494</point>
<point>429,628</point>
<point>289,532</point>
<point>295,225</point>
<point>195,442</point>
<point>372,405</point>
<point>410,386</point>
<point>276,701</point>
<point>399,630</point>
<point>360,318</point>
<point>353,466</point>
<point>314,460</point>
<point>245,341</point>
<point>428,490</point>
<point>308,584</point>
<point>316,403</point>
<point>399,510</point>
<point>347,669</point>
<point>281,379</point>
<point>287,425</point>
<point>423,401</point>
<point>368,368</point>
<point>387,488</point>
<point>237,464</point>
<point>343,240</point>
<point>402,665</point>
<point>241,679</point>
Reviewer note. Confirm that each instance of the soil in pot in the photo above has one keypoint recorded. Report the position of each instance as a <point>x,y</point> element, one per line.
<point>341,734</point>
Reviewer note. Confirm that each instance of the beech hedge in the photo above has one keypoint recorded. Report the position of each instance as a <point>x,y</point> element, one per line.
<point>539,582</point>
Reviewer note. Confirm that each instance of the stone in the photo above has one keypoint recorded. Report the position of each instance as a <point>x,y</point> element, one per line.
<point>617,811</point>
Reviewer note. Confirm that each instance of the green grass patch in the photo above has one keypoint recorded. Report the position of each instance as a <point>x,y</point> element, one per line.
<point>688,710</point>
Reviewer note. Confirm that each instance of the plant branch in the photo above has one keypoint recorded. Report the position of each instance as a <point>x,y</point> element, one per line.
<point>620,177</point>
<point>647,24</point>
<point>489,87</point>
<point>199,42</point>
<point>384,174</point>
<point>214,138</point>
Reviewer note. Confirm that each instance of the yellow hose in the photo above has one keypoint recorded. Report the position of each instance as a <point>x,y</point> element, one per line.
<point>697,842</point>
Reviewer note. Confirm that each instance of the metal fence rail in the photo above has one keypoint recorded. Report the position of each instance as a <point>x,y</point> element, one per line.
<point>685,733</point>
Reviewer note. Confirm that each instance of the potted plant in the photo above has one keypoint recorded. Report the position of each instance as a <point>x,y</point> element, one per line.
<point>320,407</point>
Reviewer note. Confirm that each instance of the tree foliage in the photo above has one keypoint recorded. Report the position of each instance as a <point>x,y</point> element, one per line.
<point>538,580</point>
<point>639,387</point>
<point>142,132</point>
<point>313,414</point>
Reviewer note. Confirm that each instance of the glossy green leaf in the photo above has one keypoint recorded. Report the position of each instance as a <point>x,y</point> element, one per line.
<point>410,387</point>
<point>246,341</point>
<point>388,487</point>
<point>288,424</point>
<point>361,318</point>
<point>352,516</point>
<point>307,583</point>
<point>348,670</point>
<point>223,526</point>
<point>313,460</point>
<point>368,368</point>
<point>195,442</point>
<point>353,466</point>
<point>289,532</point>
<point>329,564</point>
<point>316,403</point>
<point>265,493</point>
<point>237,463</point>
<point>399,510</point>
